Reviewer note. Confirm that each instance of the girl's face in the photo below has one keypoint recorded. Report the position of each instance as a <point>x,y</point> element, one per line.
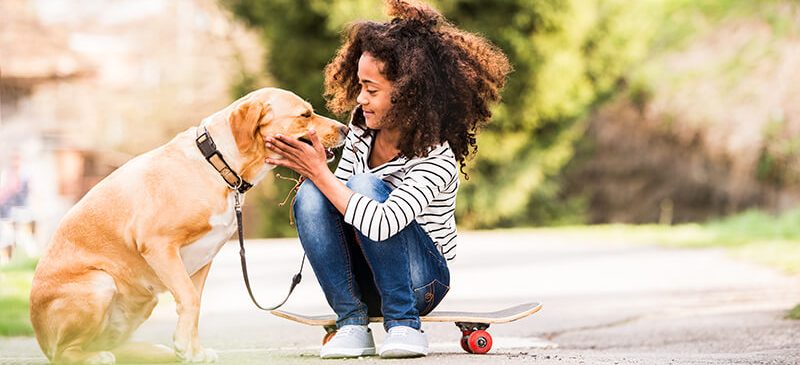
<point>375,97</point>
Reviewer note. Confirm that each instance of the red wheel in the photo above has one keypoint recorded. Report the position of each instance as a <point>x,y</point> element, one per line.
<point>480,342</point>
<point>465,344</point>
<point>328,337</point>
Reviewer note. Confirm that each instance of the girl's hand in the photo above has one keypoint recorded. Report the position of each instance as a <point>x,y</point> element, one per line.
<point>309,161</point>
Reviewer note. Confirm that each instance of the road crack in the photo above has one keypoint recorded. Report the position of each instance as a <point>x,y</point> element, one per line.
<point>552,335</point>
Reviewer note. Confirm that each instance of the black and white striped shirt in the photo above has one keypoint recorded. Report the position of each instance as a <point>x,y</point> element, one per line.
<point>424,189</point>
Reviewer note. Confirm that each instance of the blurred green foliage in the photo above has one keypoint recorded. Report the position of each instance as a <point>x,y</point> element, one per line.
<point>794,313</point>
<point>769,239</point>
<point>15,286</point>
<point>753,226</point>
<point>568,56</point>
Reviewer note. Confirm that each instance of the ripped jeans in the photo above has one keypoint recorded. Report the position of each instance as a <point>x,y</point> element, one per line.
<point>400,278</point>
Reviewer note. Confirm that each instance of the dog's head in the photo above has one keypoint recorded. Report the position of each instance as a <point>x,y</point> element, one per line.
<point>269,111</point>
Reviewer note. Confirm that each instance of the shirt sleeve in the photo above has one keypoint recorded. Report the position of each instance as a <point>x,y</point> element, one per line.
<point>422,183</point>
<point>346,167</point>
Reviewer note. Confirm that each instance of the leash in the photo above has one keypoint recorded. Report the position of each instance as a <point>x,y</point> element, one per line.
<point>295,280</point>
<point>297,277</point>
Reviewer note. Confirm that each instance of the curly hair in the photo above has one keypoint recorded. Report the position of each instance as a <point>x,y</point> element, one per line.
<point>444,79</point>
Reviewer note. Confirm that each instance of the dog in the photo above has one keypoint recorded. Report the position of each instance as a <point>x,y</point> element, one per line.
<point>153,225</point>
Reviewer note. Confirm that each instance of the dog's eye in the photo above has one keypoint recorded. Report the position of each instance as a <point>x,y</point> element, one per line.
<point>306,114</point>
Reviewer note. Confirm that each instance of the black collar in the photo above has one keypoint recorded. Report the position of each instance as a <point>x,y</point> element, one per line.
<point>214,157</point>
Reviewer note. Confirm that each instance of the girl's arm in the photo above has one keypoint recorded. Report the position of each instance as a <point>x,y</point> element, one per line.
<point>378,221</point>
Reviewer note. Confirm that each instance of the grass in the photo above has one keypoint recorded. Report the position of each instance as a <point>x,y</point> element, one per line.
<point>794,313</point>
<point>752,235</point>
<point>15,284</point>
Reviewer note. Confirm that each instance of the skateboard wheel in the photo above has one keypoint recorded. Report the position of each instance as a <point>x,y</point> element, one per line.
<point>479,342</point>
<point>465,344</point>
<point>328,337</point>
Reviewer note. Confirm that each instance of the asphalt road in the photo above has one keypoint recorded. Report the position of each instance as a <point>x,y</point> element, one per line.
<point>604,303</point>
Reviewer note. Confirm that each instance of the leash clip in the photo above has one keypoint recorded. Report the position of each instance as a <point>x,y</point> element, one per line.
<point>237,196</point>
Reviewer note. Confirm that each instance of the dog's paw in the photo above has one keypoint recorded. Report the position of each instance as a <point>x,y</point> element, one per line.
<point>101,358</point>
<point>197,355</point>
<point>210,356</point>
<point>180,348</point>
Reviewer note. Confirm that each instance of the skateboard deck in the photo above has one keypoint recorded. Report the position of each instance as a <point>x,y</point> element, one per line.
<point>475,339</point>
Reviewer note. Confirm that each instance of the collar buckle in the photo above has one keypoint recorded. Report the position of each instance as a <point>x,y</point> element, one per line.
<point>209,150</point>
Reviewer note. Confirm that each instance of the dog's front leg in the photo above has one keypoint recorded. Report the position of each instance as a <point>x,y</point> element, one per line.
<point>166,262</point>
<point>199,281</point>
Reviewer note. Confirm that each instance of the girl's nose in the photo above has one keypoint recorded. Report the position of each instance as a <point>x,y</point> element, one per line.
<point>361,99</point>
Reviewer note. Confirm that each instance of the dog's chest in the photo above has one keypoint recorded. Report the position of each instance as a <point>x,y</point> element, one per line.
<point>199,253</point>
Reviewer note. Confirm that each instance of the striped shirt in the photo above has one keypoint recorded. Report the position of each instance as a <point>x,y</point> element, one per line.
<point>423,189</point>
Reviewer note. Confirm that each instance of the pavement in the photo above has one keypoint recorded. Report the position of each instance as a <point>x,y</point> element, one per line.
<point>605,301</point>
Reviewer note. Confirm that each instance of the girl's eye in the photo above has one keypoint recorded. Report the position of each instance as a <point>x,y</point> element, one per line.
<point>372,92</point>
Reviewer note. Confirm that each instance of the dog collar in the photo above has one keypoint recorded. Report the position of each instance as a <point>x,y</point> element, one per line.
<point>209,150</point>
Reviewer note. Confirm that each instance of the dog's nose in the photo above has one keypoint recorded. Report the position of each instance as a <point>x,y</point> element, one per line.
<point>344,130</point>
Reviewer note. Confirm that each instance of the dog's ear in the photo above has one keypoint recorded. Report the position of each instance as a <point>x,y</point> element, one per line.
<point>357,117</point>
<point>245,120</point>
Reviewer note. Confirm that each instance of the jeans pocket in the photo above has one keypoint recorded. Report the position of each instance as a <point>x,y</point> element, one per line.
<point>429,296</point>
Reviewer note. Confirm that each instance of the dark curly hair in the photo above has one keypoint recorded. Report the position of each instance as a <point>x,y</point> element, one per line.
<point>444,79</point>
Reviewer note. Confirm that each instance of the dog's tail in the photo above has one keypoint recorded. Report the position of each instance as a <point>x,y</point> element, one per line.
<point>144,353</point>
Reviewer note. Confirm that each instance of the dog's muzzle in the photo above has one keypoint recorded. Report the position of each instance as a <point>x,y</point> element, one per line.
<point>329,155</point>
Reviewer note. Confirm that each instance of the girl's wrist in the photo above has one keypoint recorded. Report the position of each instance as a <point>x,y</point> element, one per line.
<point>320,175</point>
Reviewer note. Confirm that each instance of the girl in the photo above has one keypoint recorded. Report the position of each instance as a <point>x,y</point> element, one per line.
<point>379,231</point>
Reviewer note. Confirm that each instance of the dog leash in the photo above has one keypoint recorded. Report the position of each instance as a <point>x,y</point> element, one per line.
<point>295,280</point>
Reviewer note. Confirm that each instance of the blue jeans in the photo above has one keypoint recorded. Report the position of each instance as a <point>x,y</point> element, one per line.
<point>400,278</point>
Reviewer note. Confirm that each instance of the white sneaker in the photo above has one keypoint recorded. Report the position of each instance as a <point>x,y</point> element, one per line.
<point>349,341</point>
<point>403,341</point>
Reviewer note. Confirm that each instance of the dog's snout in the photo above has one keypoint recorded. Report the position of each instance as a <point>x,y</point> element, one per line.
<point>344,130</point>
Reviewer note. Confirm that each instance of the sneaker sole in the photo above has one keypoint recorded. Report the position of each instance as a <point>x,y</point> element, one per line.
<point>341,353</point>
<point>397,353</point>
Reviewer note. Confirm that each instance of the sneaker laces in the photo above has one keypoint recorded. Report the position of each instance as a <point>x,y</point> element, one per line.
<point>402,331</point>
<point>349,330</point>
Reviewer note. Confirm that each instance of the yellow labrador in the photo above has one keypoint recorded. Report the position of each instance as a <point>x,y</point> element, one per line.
<point>153,225</point>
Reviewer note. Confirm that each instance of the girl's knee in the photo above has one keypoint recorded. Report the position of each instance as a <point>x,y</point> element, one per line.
<point>368,185</point>
<point>309,199</point>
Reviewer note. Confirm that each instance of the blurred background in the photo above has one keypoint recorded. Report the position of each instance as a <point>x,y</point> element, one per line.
<point>673,120</point>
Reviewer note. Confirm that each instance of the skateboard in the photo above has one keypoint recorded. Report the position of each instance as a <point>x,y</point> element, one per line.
<point>474,337</point>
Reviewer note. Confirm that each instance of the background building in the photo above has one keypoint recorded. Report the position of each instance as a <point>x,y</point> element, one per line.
<point>85,85</point>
